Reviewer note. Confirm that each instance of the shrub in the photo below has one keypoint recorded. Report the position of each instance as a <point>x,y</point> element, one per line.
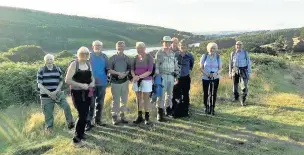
<point>25,53</point>
<point>64,54</point>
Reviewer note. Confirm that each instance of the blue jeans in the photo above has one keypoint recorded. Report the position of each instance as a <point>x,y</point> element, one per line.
<point>98,102</point>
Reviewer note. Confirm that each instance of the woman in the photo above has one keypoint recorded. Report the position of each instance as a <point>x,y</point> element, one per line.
<point>80,77</point>
<point>211,66</point>
<point>181,89</point>
<point>142,81</point>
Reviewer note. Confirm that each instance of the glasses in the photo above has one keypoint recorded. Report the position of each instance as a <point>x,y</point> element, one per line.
<point>86,54</point>
<point>97,45</point>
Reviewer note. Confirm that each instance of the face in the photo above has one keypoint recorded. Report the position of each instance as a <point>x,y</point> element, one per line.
<point>183,48</point>
<point>174,45</point>
<point>166,44</point>
<point>49,61</point>
<point>120,47</point>
<point>238,47</point>
<point>97,47</point>
<point>212,49</point>
<point>141,50</point>
<point>83,55</point>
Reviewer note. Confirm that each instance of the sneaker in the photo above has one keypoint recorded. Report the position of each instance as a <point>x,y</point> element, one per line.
<point>71,125</point>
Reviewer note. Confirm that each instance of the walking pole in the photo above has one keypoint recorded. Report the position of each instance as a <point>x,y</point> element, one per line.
<point>212,94</point>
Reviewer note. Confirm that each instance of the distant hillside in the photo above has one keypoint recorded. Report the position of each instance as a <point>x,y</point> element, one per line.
<point>57,31</point>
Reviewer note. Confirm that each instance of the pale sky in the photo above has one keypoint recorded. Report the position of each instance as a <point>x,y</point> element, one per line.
<point>184,15</point>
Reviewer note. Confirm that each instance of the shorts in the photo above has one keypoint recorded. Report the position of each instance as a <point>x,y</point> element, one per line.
<point>145,86</point>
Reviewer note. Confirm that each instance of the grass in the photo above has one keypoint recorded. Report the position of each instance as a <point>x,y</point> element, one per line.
<point>272,124</point>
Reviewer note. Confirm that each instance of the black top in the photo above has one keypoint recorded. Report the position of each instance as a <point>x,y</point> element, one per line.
<point>82,76</point>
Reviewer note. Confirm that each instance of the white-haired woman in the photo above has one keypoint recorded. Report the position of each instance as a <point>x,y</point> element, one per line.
<point>211,66</point>
<point>80,77</point>
<point>142,81</point>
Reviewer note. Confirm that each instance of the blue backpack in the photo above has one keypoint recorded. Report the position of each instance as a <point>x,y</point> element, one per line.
<point>157,88</point>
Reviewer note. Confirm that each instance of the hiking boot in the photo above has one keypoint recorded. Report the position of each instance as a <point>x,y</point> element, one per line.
<point>243,102</point>
<point>77,142</point>
<point>71,125</point>
<point>114,120</point>
<point>169,111</point>
<point>123,119</point>
<point>139,118</point>
<point>147,121</point>
<point>99,123</point>
<point>160,115</point>
<point>89,126</point>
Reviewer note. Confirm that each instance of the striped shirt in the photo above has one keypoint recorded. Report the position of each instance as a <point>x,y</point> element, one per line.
<point>166,63</point>
<point>50,79</point>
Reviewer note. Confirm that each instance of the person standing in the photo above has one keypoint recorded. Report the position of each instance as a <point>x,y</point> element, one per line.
<point>49,80</point>
<point>120,67</point>
<point>81,79</point>
<point>240,71</point>
<point>100,67</point>
<point>181,89</point>
<point>211,67</point>
<point>142,81</point>
<point>166,65</point>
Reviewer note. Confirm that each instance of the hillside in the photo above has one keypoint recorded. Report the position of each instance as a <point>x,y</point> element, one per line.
<point>58,32</point>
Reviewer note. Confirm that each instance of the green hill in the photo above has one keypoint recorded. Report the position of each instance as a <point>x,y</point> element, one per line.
<point>58,32</point>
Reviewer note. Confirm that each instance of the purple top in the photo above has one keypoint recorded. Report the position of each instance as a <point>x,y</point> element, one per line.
<point>140,66</point>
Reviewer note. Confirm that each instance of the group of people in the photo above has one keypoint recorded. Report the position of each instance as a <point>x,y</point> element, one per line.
<point>165,77</point>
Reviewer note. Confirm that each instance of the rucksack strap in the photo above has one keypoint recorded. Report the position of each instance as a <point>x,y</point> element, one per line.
<point>217,59</point>
<point>77,65</point>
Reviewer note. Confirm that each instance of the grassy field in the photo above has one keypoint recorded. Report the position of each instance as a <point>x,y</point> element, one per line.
<point>272,124</point>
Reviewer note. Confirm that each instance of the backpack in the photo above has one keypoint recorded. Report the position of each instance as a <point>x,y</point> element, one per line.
<point>217,58</point>
<point>246,56</point>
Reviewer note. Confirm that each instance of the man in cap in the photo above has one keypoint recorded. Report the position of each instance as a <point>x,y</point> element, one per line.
<point>166,65</point>
<point>240,71</point>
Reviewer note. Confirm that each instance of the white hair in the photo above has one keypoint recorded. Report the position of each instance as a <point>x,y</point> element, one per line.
<point>48,56</point>
<point>239,43</point>
<point>212,45</point>
<point>140,44</point>
<point>97,42</point>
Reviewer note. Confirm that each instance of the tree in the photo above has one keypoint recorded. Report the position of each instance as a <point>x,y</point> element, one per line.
<point>25,53</point>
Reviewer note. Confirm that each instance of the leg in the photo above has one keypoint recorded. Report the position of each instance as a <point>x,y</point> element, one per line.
<point>124,93</point>
<point>48,109</point>
<point>115,89</point>
<point>66,108</point>
<point>161,99</point>
<point>244,87</point>
<point>100,102</point>
<point>168,103</point>
<point>185,95</point>
<point>205,90</point>
<point>236,80</point>
<point>215,88</point>
<point>139,99</point>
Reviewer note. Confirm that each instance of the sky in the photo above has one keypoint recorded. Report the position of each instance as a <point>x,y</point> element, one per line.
<point>183,15</point>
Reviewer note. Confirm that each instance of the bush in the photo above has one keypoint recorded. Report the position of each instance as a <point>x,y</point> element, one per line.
<point>267,61</point>
<point>64,54</point>
<point>25,53</point>
<point>19,81</point>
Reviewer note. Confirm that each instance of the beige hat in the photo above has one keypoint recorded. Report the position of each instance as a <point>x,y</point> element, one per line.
<point>166,39</point>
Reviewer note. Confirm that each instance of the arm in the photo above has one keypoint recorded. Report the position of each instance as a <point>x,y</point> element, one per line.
<point>202,69</point>
<point>157,62</point>
<point>220,67</point>
<point>176,68</point>
<point>69,77</point>
<point>191,62</point>
<point>230,65</point>
<point>92,84</point>
<point>249,65</point>
<point>111,67</point>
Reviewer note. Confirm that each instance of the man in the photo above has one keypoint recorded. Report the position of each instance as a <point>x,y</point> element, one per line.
<point>240,71</point>
<point>120,66</point>
<point>49,80</point>
<point>181,89</point>
<point>166,65</point>
<point>100,67</point>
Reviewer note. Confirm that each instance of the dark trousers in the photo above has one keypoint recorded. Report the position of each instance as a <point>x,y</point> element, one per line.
<point>81,102</point>
<point>243,80</point>
<point>98,102</point>
<point>181,98</point>
<point>208,88</point>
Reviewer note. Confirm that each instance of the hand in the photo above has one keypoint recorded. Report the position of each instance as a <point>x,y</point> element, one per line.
<point>92,85</point>
<point>52,96</point>
<point>135,78</point>
<point>54,93</point>
<point>208,74</point>
<point>84,86</point>
<point>176,81</point>
<point>230,76</point>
